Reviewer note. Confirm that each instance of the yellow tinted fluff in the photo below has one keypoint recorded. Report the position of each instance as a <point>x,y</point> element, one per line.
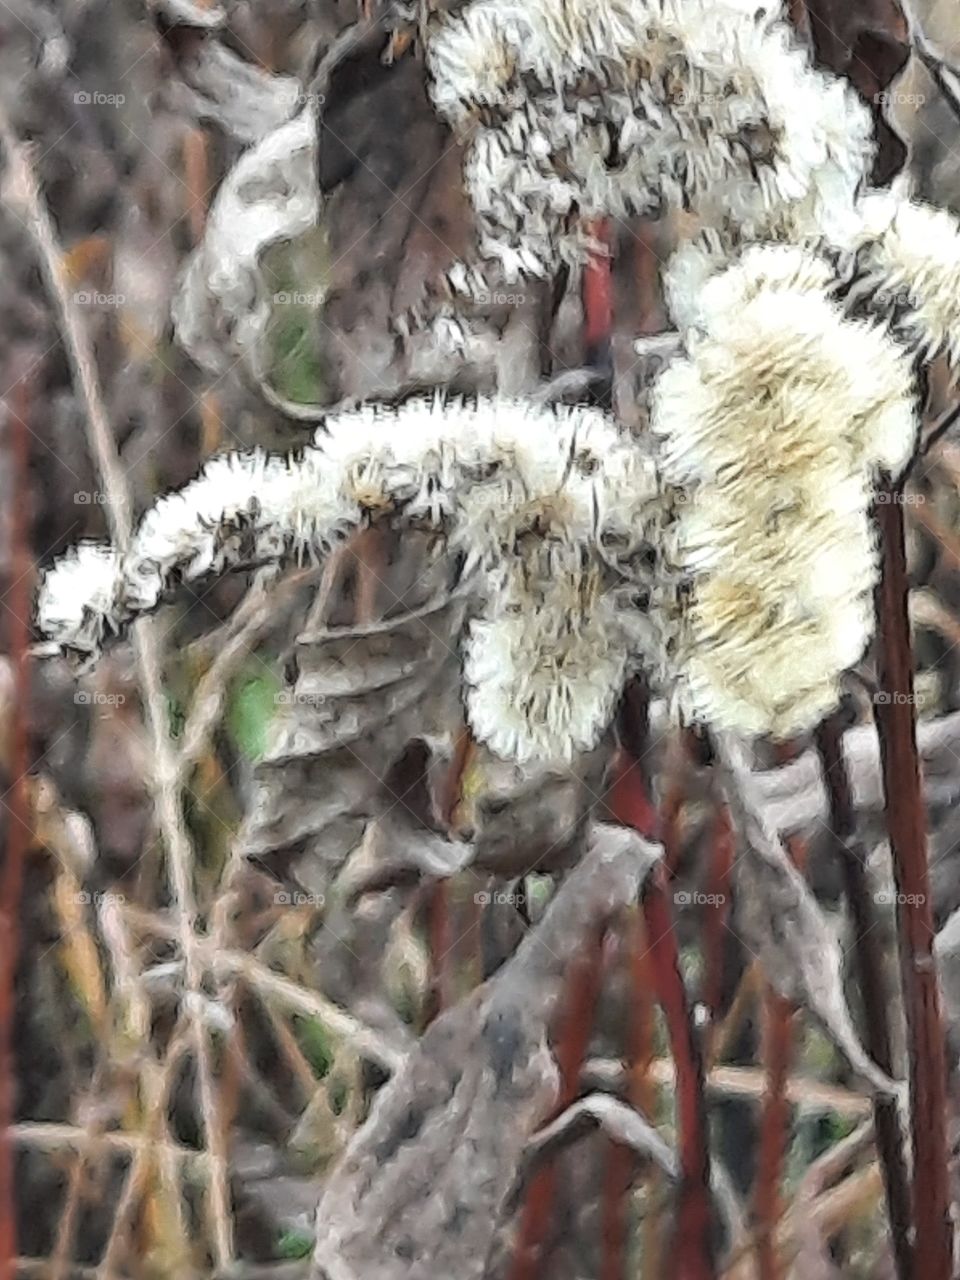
<point>771,430</point>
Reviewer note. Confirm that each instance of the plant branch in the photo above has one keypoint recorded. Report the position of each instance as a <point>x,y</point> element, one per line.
<point>907,827</point>
<point>873,989</point>
<point>18,815</point>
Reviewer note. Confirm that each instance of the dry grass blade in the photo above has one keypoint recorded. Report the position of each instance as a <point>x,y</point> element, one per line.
<point>18,821</point>
<point>164,780</point>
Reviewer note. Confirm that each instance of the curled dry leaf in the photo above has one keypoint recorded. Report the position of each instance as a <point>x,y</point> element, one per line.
<point>426,1179</point>
<point>782,920</point>
<point>391,182</point>
<point>245,101</point>
<point>794,798</point>
<point>360,695</point>
<point>270,195</point>
<point>622,1123</point>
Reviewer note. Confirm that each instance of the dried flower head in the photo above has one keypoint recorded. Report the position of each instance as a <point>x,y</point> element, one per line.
<point>546,664</point>
<point>573,109</point>
<point>910,256</point>
<point>75,608</point>
<point>774,309</point>
<point>772,428</point>
<point>530,496</point>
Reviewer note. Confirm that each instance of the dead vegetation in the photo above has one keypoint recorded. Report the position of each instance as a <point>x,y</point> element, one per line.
<point>275,929</point>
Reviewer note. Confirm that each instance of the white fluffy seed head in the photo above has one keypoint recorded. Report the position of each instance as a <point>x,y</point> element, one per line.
<point>609,107</point>
<point>536,496</point>
<point>768,331</point>
<point>544,667</point>
<point>912,252</point>
<point>772,429</point>
<point>77,597</point>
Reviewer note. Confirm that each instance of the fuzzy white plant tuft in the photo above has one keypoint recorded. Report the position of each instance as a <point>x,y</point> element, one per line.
<point>76,605</point>
<point>529,495</point>
<point>910,254</point>
<point>574,109</point>
<point>773,428</point>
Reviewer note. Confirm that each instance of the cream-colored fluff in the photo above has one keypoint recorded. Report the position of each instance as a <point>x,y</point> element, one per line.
<point>532,496</point>
<point>544,666</point>
<point>610,107</point>
<point>772,429</point>
<point>912,254</point>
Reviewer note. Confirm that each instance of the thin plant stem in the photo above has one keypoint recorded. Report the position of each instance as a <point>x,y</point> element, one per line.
<point>871,975</point>
<point>907,827</point>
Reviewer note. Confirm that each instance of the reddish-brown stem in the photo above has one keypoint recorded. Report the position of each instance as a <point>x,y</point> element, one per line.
<point>439,943</point>
<point>907,828</point>
<point>671,805</point>
<point>775,1119</point>
<point>643,1089</point>
<point>628,799</point>
<point>774,1126</point>
<point>871,974</point>
<point>439,927</point>
<point>598,293</point>
<point>641,1092</point>
<point>453,782</point>
<point>718,902</point>
<point>693,1257</point>
<point>17,805</point>
<point>582,993</point>
<point>196,171</point>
